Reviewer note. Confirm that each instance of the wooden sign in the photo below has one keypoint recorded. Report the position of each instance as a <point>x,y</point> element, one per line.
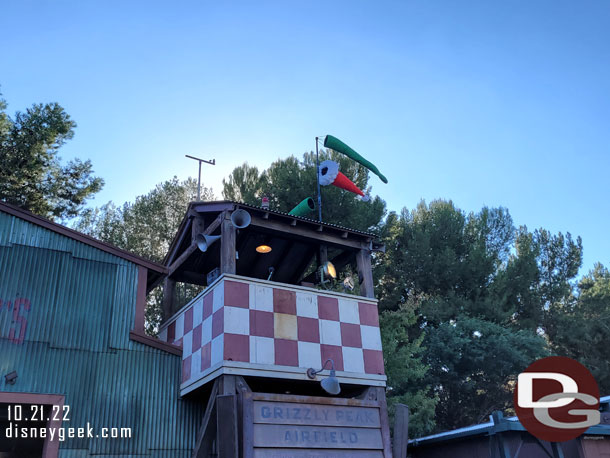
<point>282,426</point>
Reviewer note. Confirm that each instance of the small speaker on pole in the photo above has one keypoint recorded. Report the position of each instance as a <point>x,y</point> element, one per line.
<point>241,218</point>
<point>204,241</point>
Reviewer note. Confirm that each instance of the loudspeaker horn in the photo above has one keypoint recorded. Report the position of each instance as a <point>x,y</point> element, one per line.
<point>241,219</point>
<point>204,241</point>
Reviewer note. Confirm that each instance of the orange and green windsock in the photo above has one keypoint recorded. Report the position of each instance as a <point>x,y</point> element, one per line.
<point>335,144</point>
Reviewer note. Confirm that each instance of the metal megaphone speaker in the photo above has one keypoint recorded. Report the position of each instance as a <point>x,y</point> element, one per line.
<point>204,241</point>
<point>241,219</point>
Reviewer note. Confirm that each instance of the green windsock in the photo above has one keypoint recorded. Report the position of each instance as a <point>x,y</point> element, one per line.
<point>306,206</point>
<point>336,144</point>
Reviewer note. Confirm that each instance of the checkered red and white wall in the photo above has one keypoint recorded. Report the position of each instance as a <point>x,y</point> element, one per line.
<point>267,325</point>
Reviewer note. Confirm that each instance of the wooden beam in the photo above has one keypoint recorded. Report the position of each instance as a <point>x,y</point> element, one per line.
<point>169,289</point>
<point>401,431</point>
<point>193,247</point>
<point>226,426</point>
<point>301,231</point>
<point>182,258</point>
<point>365,272</point>
<point>197,227</point>
<point>228,264</point>
<point>203,444</point>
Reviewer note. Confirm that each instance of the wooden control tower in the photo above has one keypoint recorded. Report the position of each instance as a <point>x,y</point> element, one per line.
<point>267,315</point>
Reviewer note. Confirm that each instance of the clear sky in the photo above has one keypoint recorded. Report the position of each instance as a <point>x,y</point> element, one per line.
<point>497,103</point>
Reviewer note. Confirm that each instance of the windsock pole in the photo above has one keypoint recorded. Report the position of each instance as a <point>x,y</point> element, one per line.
<point>318,182</point>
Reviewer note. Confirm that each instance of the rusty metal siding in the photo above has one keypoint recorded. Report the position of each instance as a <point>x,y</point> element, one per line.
<point>81,308</point>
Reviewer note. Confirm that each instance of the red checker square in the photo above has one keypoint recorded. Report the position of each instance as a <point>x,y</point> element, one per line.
<point>206,356</point>
<point>368,314</point>
<point>261,323</point>
<point>207,304</point>
<point>332,352</point>
<point>308,329</point>
<point>196,338</point>
<point>350,335</point>
<point>188,320</point>
<point>286,352</point>
<point>284,301</point>
<point>186,368</point>
<point>237,347</point>
<point>218,322</point>
<point>373,362</point>
<point>237,294</point>
<point>171,332</point>
<point>328,308</point>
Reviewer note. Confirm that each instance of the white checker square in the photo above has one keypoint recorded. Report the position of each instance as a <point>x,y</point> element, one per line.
<point>262,350</point>
<point>218,299</point>
<point>371,337</point>
<point>217,351</point>
<point>187,344</point>
<point>196,364</point>
<point>206,331</point>
<point>310,355</point>
<point>307,305</point>
<point>263,298</point>
<point>330,332</point>
<point>353,360</point>
<point>179,327</point>
<point>163,335</point>
<point>236,320</point>
<point>348,311</point>
<point>198,312</point>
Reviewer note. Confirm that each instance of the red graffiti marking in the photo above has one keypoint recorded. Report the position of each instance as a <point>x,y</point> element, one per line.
<point>19,322</point>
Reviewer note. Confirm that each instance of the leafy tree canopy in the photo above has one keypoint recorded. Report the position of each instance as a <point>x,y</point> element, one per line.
<point>31,174</point>
<point>147,227</point>
<point>482,292</point>
<point>288,181</point>
<point>580,326</point>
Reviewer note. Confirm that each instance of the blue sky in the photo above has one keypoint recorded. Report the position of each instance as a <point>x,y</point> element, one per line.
<point>486,103</point>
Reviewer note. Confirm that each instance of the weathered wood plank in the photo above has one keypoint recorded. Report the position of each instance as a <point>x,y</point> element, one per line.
<point>295,453</point>
<point>292,413</point>
<point>316,399</point>
<point>226,406</point>
<point>401,431</point>
<point>227,247</point>
<point>288,436</point>
<point>365,272</point>
<point>204,436</point>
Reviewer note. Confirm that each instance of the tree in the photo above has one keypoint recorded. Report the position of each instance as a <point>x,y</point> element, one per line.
<point>288,181</point>
<point>31,174</point>
<point>147,227</point>
<point>481,290</point>
<point>581,325</point>
<point>407,373</point>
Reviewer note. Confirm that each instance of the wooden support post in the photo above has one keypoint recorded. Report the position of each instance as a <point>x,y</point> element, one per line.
<point>226,408</point>
<point>365,272</point>
<point>169,289</point>
<point>323,254</point>
<point>385,426</point>
<point>401,431</point>
<point>227,247</point>
<point>207,430</point>
<point>197,228</point>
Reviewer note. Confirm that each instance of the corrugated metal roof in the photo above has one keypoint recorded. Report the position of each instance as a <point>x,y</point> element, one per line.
<point>71,233</point>
<point>302,218</point>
